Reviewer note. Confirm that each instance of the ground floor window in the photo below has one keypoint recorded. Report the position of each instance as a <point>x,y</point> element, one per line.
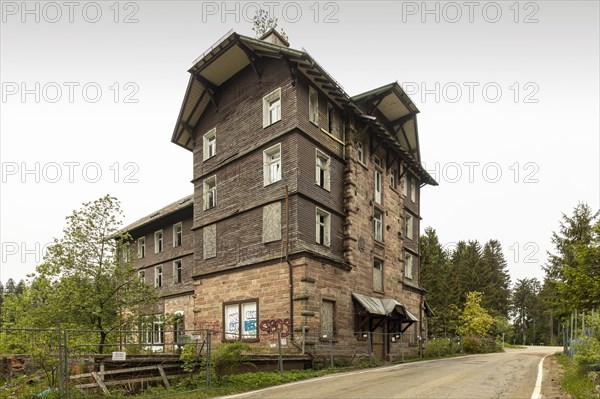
<point>239,320</point>
<point>153,331</point>
<point>178,328</point>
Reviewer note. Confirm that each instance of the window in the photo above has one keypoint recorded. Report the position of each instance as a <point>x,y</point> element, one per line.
<point>153,329</point>
<point>210,192</point>
<point>209,241</point>
<point>322,170</point>
<point>393,178</point>
<point>239,320</point>
<point>141,247</point>
<point>360,148</point>
<point>413,190</point>
<point>158,276</point>
<point>408,265</point>
<point>404,185</point>
<point>377,275</point>
<point>409,226</point>
<point>376,160</point>
<point>272,107</point>
<point>377,186</point>
<point>210,144</point>
<point>125,251</point>
<point>178,327</point>
<point>327,319</point>
<point>271,228</point>
<point>313,105</point>
<point>323,227</point>
<point>378,225</point>
<point>330,117</point>
<point>177,270</point>
<point>177,234</point>
<point>142,275</point>
<point>272,164</point>
<point>158,241</point>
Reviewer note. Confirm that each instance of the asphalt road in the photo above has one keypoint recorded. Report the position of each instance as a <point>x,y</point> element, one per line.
<point>499,375</point>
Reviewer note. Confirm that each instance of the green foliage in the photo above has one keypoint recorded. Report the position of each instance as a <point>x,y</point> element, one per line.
<point>441,347</point>
<point>476,344</point>
<point>474,319</point>
<point>449,275</point>
<point>575,381</point>
<point>190,358</point>
<point>230,356</point>
<point>86,281</point>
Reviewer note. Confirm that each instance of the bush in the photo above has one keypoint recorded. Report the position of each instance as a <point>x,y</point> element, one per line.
<point>440,347</point>
<point>228,357</point>
<point>475,344</point>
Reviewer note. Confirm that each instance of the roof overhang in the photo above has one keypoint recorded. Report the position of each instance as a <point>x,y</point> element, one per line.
<point>385,307</point>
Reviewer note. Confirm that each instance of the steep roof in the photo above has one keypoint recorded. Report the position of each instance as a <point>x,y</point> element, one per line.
<point>233,52</point>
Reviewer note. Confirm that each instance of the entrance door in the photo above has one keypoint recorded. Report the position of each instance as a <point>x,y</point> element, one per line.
<point>378,343</point>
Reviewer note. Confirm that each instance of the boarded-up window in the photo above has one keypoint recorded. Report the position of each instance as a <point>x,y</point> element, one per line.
<point>210,241</point>
<point>377,275</point>
<point>272,222</point>
<point>327,319</point>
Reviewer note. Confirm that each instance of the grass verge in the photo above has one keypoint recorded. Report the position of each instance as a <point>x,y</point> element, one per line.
<point>574,380</point>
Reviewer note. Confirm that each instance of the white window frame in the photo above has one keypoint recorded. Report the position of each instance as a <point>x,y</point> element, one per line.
<point>142,275</point>
<point>326,168</point>
<point>153,330</point>
<point>177,271</point>
<point>207,189</point>
<point>272,107</point>
<point>159,241</point>
<point>404,182</point>
<point>141,242</point>
<point>413,190</point>
<point>209,144</point>
<point>409,226</point>
<point>378,225</point>
<point>159,276</point>
<point>325,238</point>
<point>408,265</point>
<point>380,272</point>
<point>178,234</point>
<point>360,148</point>
<point>269,175</point>
<point>313,105</point>
<point>378,186</point>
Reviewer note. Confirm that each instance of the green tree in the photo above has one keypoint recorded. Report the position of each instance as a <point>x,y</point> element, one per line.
<point>474,319</point>
<point>87,280</point>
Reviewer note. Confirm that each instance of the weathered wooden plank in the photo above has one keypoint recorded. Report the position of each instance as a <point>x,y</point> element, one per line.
<point>99,382</point>
<point>120,371</point>
<point>130,381</point>
<point>164,376</point>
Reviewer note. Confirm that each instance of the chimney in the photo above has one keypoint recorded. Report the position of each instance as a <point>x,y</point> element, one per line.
<point>272,36</point>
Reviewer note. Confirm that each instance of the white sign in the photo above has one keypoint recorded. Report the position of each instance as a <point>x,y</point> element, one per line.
<point>119,356</point>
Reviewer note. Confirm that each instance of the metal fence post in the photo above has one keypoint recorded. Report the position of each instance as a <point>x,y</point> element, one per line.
<point>370,344</point>
<point>61,382</point>
<point>208,360</point>
<point>280,353</point>
<point>303,340</point>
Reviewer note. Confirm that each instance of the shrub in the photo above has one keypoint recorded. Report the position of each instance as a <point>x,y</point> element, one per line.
<point>439,347</point>
<point>475,344</point>
<point>228,357</point>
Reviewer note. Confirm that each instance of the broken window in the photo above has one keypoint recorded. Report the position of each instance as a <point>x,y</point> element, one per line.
<point>158,241</point>
<point>408,265</point>
<point>322,168</point>
<point>141,247</point>
<point>322,223</point>
<point>210,192</point>
<point>177,271</point>
<point>409,226</point>
<point>313,105</point>
<point>177,234</point>
<point>158,276</point>
<point>377,275</point>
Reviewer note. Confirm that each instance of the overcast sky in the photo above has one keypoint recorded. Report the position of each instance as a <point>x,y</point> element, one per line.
<point>508,94</point>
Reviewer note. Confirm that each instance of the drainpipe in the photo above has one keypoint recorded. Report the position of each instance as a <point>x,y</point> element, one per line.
<point>287,250</point>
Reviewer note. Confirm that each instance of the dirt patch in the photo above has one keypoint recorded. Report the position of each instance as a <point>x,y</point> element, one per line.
<point>551,383</point>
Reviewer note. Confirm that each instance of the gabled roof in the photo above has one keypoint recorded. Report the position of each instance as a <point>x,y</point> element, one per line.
<point>398,110</point>
<point>167,210</point>
<point>234,52</point>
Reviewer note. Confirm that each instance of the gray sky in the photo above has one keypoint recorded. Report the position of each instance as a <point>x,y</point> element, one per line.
<point>508,94</point>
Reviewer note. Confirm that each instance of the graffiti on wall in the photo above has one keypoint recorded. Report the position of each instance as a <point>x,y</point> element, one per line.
<point>284,326</point>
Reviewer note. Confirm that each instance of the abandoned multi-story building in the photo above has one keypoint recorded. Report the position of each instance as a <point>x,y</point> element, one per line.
<point>305,213</point>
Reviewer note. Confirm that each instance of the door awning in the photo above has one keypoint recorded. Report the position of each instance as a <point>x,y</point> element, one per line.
<point>384,307</point>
